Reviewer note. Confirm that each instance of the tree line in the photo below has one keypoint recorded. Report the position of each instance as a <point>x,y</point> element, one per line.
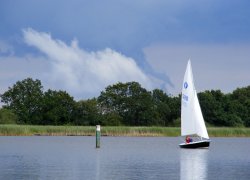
<point>120,104</point>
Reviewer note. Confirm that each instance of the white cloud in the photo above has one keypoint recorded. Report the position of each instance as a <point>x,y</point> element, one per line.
<point>81,73</point>
<point>215,66</point>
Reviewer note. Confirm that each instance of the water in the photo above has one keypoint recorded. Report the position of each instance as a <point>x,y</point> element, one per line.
<point>121,158</point>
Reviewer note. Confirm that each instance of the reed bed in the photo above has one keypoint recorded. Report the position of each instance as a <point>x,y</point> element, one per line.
<point>140,131</point>
<point>30,130</point>
<point>229,132</point>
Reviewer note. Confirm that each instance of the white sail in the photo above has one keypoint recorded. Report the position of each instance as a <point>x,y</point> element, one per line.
<point>192,121</point>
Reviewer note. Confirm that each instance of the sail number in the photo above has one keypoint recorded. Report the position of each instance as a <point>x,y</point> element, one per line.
<point>184,97</point>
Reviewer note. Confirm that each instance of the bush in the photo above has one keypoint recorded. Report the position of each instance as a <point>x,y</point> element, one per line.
<point>7,117</point>
<point>112,119</point>
<point>231,120</point>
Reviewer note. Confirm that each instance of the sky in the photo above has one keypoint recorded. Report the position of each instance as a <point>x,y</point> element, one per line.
<point>83,46</point>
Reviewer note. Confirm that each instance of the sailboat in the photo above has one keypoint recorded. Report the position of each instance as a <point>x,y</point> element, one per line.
<point>192,121</point>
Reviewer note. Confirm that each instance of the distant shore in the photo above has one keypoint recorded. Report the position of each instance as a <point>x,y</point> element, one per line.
<point>31,130</point>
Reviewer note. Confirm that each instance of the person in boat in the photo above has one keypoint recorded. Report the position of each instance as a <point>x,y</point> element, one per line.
<point>188,139</point>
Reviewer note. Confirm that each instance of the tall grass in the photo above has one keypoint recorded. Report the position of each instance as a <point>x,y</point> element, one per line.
<point>228,132</point>
<point>140,131</point>
<point>30,130</point>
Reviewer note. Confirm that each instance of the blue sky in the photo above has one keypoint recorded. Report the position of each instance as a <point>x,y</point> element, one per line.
<point>82,46</point>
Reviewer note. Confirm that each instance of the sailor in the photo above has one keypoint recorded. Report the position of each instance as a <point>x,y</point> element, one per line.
<point>188,139</point>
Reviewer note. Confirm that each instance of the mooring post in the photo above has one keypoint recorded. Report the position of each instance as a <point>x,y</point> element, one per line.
<point>98,135</point>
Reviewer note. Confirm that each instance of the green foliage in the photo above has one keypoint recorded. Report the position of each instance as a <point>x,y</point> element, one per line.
<point>31,106</point>
<point>119,104</point>
<point>7,116</point>
<point>111,119</point>
<point>166,108</point>
<point>211,106</point>
<point>29,130</point>
<point>226,109</point>
<point>24,99</point>
<point>58,107</point>
<point>161,107</point>
<point>241,99</point>
<point>87,113</point>
<point>130,101</point>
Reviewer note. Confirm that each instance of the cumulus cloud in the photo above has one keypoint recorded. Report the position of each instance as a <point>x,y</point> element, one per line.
<point>83,73</point>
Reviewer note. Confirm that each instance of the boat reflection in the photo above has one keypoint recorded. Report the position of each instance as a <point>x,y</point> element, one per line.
<point>193,164</point>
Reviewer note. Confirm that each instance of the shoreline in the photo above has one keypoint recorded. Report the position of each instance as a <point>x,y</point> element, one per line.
<point>35,130</point>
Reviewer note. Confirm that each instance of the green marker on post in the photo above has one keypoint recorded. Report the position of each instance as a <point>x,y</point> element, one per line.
<point>98,135</point>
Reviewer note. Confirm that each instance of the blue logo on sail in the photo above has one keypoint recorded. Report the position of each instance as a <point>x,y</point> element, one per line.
<point>184,97</point>
<point>185,85</point>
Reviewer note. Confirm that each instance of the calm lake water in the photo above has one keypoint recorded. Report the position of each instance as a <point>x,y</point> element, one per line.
<point>121,158</point>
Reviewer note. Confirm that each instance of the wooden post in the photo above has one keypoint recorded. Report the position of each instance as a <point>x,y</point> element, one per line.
<point>98,135</point>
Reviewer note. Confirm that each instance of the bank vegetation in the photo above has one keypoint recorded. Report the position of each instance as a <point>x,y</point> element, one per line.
<point>121,104</point>
<point>36,130</point>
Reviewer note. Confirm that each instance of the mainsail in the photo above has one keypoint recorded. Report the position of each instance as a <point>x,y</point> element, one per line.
<point>192,121</point>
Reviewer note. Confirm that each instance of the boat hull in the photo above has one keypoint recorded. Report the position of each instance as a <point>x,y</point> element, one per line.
<point>197,144</point>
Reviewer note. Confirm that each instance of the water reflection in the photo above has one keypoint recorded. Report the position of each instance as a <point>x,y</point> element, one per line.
<point>193,164</point>
<point>121,158</point>
<point>97,177</point>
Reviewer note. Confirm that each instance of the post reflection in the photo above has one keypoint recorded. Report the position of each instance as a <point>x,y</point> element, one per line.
<point>97,177</point>
<point>193,164</point>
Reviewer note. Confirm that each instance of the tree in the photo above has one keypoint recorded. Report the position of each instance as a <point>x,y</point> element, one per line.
<point>222,110</point>
<point>241,99</point>
<point>24,99</point>
<point>58,107</point>
<point>119,104</point>
<point>212,107</point>
<point>175,109</point>
<point>87,113</point>
<point>111,119</point>
<point>7,116</point>
<point>161,107</point>
<point>130,101</point>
